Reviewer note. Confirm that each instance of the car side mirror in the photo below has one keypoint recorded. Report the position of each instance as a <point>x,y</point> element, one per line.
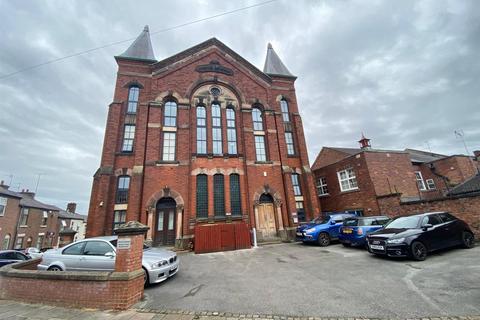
<point>110,254</point>
<point>333,222</point>
<point>427,226</point>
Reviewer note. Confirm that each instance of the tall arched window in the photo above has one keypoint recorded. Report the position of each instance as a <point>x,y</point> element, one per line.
<point>231,131</point>
<point>216,129</point>
<point>201,130</point>
<point>257,119</point>
<point>122,189</point>
<point>202,196</point>
<point>133,93</point>
<point>6,242</point>
<point>235,198</point>
<point>218,195</point>
<point>170,114</point>
<point>285,112</point>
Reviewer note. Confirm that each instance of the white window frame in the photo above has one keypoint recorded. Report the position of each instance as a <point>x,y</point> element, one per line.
<point>24,212</point>
<point>430,184</point>
<point>44,217</point>
<point>419,178</point>
<point>322,186</point>
<point>351,180</point>
<point>3,203</point>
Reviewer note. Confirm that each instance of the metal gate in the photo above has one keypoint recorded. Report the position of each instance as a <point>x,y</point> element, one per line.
<point>221,237</point>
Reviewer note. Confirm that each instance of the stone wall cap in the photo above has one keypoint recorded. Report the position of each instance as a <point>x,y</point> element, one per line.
<point>131,227</point>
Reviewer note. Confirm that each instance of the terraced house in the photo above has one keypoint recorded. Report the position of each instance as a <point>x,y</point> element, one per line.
<point>202,137</point>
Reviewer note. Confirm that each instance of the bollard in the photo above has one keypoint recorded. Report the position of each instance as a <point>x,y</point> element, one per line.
<point>254,238</point>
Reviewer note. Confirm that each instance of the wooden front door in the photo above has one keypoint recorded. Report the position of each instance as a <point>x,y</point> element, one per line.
<point>266,220</point>
<point>165,226</point>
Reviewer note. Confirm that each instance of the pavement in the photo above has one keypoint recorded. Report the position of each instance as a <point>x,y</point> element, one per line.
<point>299,280</point>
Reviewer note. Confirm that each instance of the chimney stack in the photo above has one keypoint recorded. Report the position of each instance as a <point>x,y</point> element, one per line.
<point>27,193</point>
<point>71,207</point>
<point>3,185</point>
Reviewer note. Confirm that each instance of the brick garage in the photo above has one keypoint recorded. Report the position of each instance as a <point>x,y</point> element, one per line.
<point>254,190</point>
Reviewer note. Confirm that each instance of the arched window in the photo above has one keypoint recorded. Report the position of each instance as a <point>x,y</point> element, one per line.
<point>201,130</point>
<point>170,114</point>
<point>235,198</point>
<point>285,113</point>
<point>202,196</point>
<point>133,93</point>
<point>216,129</point>
<point>218,195</point>
<point>6,242</point>
<point>122,189</point>
<point>257,119</point>
<point>231,131</point>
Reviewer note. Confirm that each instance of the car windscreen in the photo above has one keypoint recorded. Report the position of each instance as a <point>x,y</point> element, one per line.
<point>404,223</point>
<point>321,220</point>
<point>114,243</point>
<point>351,222</point>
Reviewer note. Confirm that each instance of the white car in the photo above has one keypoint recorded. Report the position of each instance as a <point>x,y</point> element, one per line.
<point>98,254</point>
<point>33,253</point>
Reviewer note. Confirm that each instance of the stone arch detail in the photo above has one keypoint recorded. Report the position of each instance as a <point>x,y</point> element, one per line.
<point>170,93</point>
<point>195,86</point>
<point>164,193</point>
<point>267,189</point>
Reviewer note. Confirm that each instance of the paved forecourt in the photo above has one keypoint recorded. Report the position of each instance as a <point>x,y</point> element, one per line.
<point>303,280</point>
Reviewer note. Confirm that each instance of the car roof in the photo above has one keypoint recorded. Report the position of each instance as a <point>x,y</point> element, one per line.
<point>370,217</point>
<point>106,238</point>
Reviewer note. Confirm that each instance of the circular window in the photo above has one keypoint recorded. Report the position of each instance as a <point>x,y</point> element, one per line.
<point>215,91</point>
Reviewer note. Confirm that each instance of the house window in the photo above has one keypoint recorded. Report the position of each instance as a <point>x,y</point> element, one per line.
<point>19,243</point>
<point>119,217</point>
<point>40,241</point>
<point>128,136</point>
<point>6,242</point>
<point>297,191</point>
<point>64,224</point>
<point>231,131</point>
<point>430,184</point>
<point>122,189</point>
<point>133,99</point>
<point>201,130</point>
<point>347,180</point>
<point>260,148</point>
<point>44,218</point>
<point>235,199</point>
<point>216,129</point>
<point>202,196</point>
<point>300,211</point>
<point>285,113</point>
<point>169,146</point>
<point>3,205</point>
<point>24,217</point>
<point>257,119</point>
<point>420,182</point>
<point>218,195</point>
<point>170,114</point>
<point>289,141</point>
<point>322,186</point>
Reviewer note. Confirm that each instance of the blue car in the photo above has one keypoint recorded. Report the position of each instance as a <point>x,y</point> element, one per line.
<point>355,230</point>
<point>322,230</point>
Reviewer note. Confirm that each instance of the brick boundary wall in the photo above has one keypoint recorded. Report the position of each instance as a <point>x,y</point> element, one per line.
<point>465,207</point>
<point>99,290</point>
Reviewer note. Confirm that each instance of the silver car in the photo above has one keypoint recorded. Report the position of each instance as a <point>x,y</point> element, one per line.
<point>98,254</point>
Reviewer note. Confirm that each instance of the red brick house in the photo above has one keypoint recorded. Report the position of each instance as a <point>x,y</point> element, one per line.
<point>202,137</point>
<point>352,179</point>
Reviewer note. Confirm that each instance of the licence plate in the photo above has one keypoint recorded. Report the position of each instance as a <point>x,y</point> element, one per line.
<point>299,234</point>
<point>375,247</point>
<point>347,230</point>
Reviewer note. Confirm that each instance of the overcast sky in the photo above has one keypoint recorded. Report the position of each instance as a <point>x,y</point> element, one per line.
<point>402,72</point>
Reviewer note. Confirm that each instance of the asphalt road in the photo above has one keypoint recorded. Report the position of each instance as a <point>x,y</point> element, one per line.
<point>300,280</point>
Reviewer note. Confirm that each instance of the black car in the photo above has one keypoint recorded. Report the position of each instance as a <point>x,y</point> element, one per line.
<point>12,256</point>
<point>417,235</point>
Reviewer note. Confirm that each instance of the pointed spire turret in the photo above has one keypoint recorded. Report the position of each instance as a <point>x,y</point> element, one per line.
<point>141,48</point>
<point>273,64</point>
<point>364,142</point>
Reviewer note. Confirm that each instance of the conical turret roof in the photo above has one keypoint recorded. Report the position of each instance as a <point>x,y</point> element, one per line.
<point>273,64</point>
<point>141,48</point>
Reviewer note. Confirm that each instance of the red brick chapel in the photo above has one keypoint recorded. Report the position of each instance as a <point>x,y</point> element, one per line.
<point>202,137</point>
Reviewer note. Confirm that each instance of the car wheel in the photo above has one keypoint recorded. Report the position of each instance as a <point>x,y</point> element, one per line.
<point>54,268</point>
<point>468,240</point>
<point>419,251</point>
<point>323,239</point>
<point>347,245</point>
<point>146,281</point>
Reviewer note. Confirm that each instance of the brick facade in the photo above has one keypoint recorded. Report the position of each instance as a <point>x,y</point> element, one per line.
<point>178,79</point>
<point>9,219</point>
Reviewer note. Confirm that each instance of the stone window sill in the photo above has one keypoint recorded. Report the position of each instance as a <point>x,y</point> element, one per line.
<point>324,195</point>
<point>263,162</point>
<point>350,190</point>
<point>23,226</point>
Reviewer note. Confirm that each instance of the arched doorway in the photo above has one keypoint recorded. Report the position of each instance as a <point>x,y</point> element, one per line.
<point>266,216</point>
<point>166,222</point>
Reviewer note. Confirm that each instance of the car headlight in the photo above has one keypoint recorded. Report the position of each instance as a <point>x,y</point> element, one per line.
<point>159,264</point>
<point>398,240</point>
<point>310,230</point>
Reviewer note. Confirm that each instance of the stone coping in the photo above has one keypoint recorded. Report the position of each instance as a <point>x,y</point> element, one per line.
<point>15,271</point>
